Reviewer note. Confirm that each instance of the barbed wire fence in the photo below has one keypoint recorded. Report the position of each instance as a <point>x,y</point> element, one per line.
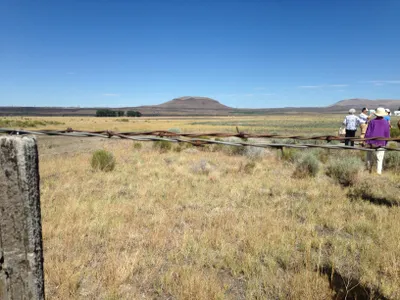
<point>198,139</point>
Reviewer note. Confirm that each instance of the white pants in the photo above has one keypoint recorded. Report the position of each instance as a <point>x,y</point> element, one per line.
<point>379,154</point>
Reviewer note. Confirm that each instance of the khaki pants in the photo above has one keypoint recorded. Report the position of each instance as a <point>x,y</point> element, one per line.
<point>379,154</point>
<point>363,130</point>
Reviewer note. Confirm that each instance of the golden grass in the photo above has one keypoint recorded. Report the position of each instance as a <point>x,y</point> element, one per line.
<point>159,227</point>
<point>308,124</point>
<point>203,224</point>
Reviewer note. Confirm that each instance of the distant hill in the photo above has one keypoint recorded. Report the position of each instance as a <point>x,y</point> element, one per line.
<point>373,104</point>
<point>189,102</point>
<point>187,105</point>
<point>201,106</point>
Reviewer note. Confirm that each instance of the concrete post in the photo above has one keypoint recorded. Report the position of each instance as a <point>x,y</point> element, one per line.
<point>21,255</point>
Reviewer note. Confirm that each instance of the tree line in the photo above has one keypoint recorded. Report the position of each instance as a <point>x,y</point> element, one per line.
<point>117,113</point>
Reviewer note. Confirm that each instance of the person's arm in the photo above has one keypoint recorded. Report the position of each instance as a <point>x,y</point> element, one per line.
<point>344,122</point>
<point>370,129</point>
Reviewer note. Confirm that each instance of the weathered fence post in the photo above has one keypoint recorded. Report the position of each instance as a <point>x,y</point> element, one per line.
<point>21,255</point>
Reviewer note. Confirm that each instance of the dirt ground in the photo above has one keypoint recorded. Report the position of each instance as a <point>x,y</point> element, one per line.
<point>59,145</point>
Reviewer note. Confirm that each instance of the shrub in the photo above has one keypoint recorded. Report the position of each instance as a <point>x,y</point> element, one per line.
<point>248,167</point>
<point>218,147</point>
<point>102,160</point>
<point>202,167</point>
<point>289,154</point>
<point>307,166</point>
<point>162,146</point>
<point>248,151</point>
<point>394,132</point>
<point>137,146</point>
<point>379,191</point>
<point>175,130</point>
<point>182,146</point>
<point>345,170</point>
<point>321,154</point>
<point>232,150</point>
<point>392,161</point>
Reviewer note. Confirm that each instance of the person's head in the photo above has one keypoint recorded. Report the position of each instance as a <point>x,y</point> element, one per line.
<point>352,111</point>
<point>364,110</point>
<point>380,113</point>
<point>387,111</point>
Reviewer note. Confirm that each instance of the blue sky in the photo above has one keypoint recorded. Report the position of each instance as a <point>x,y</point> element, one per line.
<point>253,53</point>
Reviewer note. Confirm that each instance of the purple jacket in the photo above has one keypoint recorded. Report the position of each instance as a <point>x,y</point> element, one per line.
<point>377,128</point>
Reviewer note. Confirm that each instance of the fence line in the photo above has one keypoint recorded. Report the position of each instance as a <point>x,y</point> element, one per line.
<point>177,138</point>
<point>164,133</point>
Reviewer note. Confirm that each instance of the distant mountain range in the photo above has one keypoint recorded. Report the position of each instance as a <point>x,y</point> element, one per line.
<point>202,106</point>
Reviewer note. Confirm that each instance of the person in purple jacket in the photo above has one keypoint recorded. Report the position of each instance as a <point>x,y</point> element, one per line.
<point>377,127</point>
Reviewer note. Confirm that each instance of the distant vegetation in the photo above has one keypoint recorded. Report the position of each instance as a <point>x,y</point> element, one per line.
<point>109,113</point>
<point>24,123</point>
<point>133,113</point>
<point>117,113</point>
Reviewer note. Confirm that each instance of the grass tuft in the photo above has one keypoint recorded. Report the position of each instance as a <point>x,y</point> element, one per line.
<point>345,170</point>
<point>102,160</point>
<point>307,166</point>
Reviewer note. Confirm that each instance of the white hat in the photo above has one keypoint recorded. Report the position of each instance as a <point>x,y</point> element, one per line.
<point>387,110</point>
<point>380,112</point>
<point>352,110</point>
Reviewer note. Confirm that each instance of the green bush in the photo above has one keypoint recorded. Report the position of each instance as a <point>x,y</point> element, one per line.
<point>289,154</point>
<point>218,147</point>
<point>394,131</point>
<point>230,150</point>
<point>175,130</point>
<point>102,160</point>
<point>162,146</point>
<point>137,146</point>
<point>392,161</point>
<point>345,170</point>
<point>248,167</point>
<point>307,166</point>
<point>321,154</point>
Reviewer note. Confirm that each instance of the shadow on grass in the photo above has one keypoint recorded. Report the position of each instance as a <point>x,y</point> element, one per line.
<point>348,288</point>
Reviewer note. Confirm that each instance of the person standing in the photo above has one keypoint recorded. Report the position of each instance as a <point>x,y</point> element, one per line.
<point>377,127</point>
<point>351,122</point>
<point>364,118</point>
<point>387,117</point>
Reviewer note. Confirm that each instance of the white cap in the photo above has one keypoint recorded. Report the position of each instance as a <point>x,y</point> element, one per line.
<point>352,110</point>
<point>387,109</point>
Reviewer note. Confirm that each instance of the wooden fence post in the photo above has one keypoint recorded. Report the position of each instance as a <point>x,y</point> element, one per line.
<point>21,255</point>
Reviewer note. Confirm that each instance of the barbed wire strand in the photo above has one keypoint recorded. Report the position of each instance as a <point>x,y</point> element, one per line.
<point>193,135</point>
<point>177,138</point>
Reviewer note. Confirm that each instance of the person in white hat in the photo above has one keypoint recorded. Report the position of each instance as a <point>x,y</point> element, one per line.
<point>387,117</point>
<point>351,122</point>
<point>377,127</point>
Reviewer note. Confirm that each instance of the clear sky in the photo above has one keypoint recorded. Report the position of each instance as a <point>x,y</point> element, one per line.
<point>252,53</point>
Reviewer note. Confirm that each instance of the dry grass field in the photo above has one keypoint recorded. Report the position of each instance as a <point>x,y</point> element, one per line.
<point>213,222</point>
